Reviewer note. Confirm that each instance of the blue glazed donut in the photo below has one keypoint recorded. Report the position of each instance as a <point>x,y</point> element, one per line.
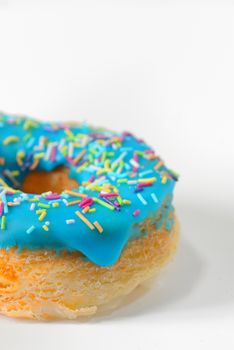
<point>122,182</point>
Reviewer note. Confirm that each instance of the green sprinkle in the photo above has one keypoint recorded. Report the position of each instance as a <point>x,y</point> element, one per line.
<point>3,223</point>
<point>104,204</point>
<point>43,205</point>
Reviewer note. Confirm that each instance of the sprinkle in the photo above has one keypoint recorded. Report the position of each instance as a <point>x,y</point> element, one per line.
<point>10,139</point>
<point>45,227</point>
<point>112,194</point>
<point>73,202</point>
<point>43,205</point>
<point>146,172</point>
<point>75,194</point>
<point>42,216</point>
<point>136,212</point>
<point>134,163</point>
<point>92,210</point>
<point>34,164</point>
<point>3,222</point>
<point>2,161</point>
<point>86,209</point>
<point>154,197</point>
<point>148,180</point>
<point>32,206</point>
<point>164,179</point>
<point>70,221</point>
<point>159,165</point>
<point>1,208</point>
<point>55,205</point>
<point>85,220</point>
<point>30,230</point>
<point>52,196</point>
<point>141,198</point>
<point>98,226</point>
<point>126,201</point>
<point>104,204</point>
<point>79,157</point>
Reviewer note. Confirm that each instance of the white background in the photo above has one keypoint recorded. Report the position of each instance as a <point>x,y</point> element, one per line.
<point>165,71</point>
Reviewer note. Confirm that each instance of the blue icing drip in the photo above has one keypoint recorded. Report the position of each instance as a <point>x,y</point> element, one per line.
<point>23,229</point>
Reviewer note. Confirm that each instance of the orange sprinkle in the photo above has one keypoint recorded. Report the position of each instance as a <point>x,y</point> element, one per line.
<point>75,194</point>
<point>34,164</point>
<point>78,157</point>
<point>73,202</point>
<point>86,209</point>
<point>159,165</point>
<point>85,220</point>
<point>2,161</point>
<point>98,226</point>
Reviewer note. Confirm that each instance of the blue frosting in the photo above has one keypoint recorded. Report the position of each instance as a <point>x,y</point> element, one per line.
<point>109,162</point>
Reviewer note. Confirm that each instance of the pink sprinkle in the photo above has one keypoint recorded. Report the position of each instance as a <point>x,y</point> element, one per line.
<point>112,194</point>
<point>126,133</point>
<point>86,202</point>
<point>92,178</point>
<point>149,151</point>
<point>53,153</point>
<point>9,193</point>
<point>116,203</point>
<point>136,212</point>
<point>134,170</point>
<point>70,160</point>
<point>135,157</point>
<point>53,196</point>
<point>1,208</point>
<point>144,184</point>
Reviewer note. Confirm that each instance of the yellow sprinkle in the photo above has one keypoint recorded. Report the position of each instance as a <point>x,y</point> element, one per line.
<point>42,216</point>
<point>15,173</point>
<point>55,204</point>
<point>79,169</point>
<point>92,210</point>
<point>98,226</point>
<point>20,155</point>
<point>10,139</point>
<point>85,220</point>
<point>164,179</point>
<point>45,227</point>
<point>39,155</point>
<point>107,164</point>
<point>150,179</point>
<point>75,194</point>
<point>126,201</point>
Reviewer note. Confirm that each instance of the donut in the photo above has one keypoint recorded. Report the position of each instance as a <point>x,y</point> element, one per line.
<point>86,216</point>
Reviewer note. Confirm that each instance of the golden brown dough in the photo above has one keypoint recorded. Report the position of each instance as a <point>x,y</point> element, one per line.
<point>42,285</point>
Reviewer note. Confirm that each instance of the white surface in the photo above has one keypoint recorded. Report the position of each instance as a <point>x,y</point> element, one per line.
<point>165,71</point>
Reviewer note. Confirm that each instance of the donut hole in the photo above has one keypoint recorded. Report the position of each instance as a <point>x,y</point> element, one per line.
<point>56,181</point>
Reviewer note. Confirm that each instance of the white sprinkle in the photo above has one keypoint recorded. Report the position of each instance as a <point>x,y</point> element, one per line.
<point>121,157</point>
<point>47,223</point>
<point>32,206</point>
<point>65,202</point>
<point>61,144</point>
<point>70,150</point>
<point>154,197</point>
<point>70,221</point>
<point>146,172</point>
<point>132,182</point>
<point>142,199</point>
<point>134,163</point>
<point>30,230</point>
